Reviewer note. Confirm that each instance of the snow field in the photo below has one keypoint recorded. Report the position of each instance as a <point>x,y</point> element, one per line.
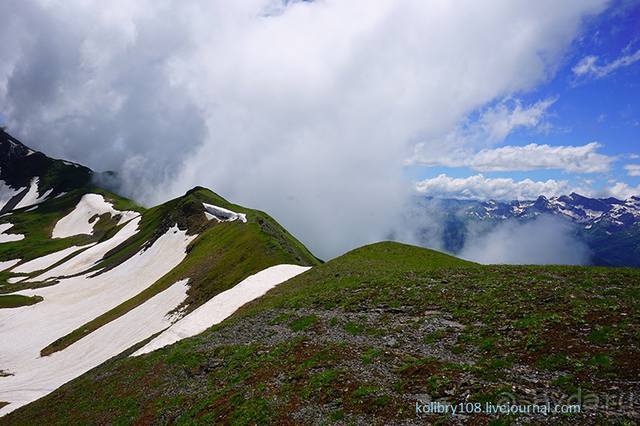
<point>74,301</point>
<point>48,260</point>
<point>31,197</point>
<point>37,376</point>
<point>6,238</point>
<point>223,305</point>
<point>79,220</point>
<point>91,256</point>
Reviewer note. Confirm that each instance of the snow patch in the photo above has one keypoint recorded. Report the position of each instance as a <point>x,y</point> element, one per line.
<point>92,255</point>
<point>14,280</point>
<point>221,214</point>
<point>7,193</point>
<point>79,220</point>
<point>6,264</point>
<point>31,197</point>
<point>48,260</point>
<point>6,238</point>
<point>592,214</point>
<point>223,305</point>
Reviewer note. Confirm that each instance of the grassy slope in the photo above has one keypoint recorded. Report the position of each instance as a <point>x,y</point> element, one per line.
<point>222,255</point>
<point>360,338</point>
<point>16,300</point>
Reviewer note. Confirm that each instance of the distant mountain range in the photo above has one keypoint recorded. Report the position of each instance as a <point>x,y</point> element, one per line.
<point>608,226</point>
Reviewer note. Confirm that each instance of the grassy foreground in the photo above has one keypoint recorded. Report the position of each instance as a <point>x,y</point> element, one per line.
<point>361,339</point>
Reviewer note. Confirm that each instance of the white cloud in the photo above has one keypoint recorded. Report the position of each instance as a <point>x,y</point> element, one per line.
<point>621,191</point>
<point>578,159</point>
<point>543,241</point>
<point>588,66</point>
<point>304,109</point>
<point>632,169</point>
<point>481,188</point>
<point>493,125</point>
<point>585,66</point>
<point>497,123</point>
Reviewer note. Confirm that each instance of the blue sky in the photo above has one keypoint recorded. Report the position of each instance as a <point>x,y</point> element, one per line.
<point>601,105</point>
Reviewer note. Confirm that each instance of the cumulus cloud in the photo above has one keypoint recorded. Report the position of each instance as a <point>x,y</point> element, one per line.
<point>479,187</point>
<point>497,123</point>
<point>589,67</point>
<point>632,169</point>
<point>580,159</point>
<point>621,191</point>
<point>543,241</point>
<point>304,109</point>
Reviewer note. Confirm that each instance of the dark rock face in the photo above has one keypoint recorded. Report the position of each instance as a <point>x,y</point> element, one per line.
<point>20,165</point>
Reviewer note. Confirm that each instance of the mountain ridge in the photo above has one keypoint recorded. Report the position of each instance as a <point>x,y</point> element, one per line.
<point>28,176</point>
<point>77,261</point>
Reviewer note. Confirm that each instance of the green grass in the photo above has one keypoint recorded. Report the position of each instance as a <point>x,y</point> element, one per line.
<point>434,336</point>
<point>374,269</point>
<point>370,355</point>
<point>17,300</point>
<point>354,328</point>
<point>303,323</point>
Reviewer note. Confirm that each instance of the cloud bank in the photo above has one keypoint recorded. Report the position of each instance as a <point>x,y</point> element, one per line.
<point>479,187</point>
<point>543,241</point>
<point>443,225</point>
<point>304,109</point>
<point>621,190</point>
